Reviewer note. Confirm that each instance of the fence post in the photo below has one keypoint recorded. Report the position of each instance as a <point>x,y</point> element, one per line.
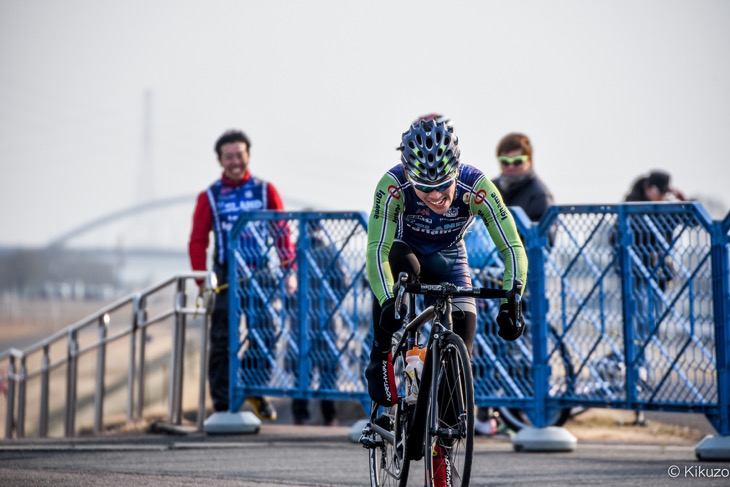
<point>45,377</point>
<point>211,283</point>
<point>10,413</point>
<point>628,301</point>
<point>71,379</point>
<point>137,365</point>
<point>536,242</point>
<point>721,311</point>
<point>100,368</point>
<point>303,361</point>
<point>178,343</point>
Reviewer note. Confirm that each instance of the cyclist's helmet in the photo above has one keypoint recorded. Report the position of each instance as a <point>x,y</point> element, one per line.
<point>430,151</point>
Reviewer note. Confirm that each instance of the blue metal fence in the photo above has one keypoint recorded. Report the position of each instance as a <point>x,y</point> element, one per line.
<point>627,306</point>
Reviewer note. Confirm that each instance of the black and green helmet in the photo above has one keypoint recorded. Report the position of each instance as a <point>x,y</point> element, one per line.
<point>430,151</point>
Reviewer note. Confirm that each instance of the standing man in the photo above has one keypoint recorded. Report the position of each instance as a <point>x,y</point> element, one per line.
<point>520,186</point>
<point>217,209</point>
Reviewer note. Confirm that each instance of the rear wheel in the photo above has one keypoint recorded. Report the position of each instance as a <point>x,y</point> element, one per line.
<point>450,431</point>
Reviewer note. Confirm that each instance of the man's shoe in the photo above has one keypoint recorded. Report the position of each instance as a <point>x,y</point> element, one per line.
<point>381,380</point>
<point>263,408</point>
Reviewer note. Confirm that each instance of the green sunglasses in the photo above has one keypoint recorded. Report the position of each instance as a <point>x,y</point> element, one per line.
<point>513,161</point>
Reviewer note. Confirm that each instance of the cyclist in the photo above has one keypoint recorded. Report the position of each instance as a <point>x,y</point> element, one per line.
<point>420,211</point>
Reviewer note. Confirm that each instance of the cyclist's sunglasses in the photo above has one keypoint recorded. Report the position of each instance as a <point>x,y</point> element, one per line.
<point>513,161</point>
<point>440,187</point>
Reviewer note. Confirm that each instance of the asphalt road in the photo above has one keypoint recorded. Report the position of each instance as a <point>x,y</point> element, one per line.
<point>287,456</point>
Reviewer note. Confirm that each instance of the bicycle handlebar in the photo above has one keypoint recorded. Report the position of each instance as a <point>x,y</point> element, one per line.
<point>448,289</point>
<point>444,289</point>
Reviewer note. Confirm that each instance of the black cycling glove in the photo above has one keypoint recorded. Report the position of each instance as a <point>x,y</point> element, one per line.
<point>509,318</point>
<point>510,327</point>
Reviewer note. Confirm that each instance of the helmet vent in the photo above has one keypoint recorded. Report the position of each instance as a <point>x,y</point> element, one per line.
<point>429,143</point>
<point>447,140</point>
<point>419,139</point>
<point>430,158</point>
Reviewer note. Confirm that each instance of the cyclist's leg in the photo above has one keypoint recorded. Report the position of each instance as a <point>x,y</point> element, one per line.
<point>452,265</point>
<point>401,259</point>
<point>379,372</point>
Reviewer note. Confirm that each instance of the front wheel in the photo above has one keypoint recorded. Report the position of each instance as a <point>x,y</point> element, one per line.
<point>450,430</point>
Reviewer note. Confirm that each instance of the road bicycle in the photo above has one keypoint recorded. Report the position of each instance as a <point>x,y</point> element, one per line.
<point>439,427</point>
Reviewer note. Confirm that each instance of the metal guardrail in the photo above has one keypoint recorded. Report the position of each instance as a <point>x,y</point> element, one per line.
<point>96,334</point>
<point>628,308</point>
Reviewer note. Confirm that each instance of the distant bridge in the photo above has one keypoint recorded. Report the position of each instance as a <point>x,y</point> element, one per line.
<point>63,239</point>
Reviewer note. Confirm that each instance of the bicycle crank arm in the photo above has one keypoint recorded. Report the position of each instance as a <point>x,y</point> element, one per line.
<point>384,433</point>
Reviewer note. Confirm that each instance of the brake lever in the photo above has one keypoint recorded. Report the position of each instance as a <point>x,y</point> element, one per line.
<point>401,285</point>
<point>516,299</point>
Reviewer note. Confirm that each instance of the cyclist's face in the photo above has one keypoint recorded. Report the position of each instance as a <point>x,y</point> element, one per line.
<point>438,201</point>
<point>234,160</point>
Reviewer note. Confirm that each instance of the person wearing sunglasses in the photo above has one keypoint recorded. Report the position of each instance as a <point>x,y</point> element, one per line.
<point>421,209</point>
<point>519,184</point>
<point>520,187</point>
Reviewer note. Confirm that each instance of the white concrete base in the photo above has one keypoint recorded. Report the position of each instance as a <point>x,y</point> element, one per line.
<point>713,448</point>
<point>551,438</point>
<point>232,423</point>
<point>356,430</point>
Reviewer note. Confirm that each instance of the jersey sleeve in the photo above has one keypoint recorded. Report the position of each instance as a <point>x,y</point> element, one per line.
<point>200,233</point>
<point>388,206</point>
<point>486,202</point>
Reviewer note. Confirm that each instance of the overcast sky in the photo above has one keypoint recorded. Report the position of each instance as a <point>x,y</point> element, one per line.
<point>606,90</point>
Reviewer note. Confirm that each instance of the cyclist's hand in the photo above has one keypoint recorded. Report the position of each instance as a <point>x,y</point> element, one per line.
<point>387,316</point>
<point>511,326</point>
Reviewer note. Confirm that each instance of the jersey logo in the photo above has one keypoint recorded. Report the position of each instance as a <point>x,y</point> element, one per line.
<point>394,191</point>
<point>480,196</point>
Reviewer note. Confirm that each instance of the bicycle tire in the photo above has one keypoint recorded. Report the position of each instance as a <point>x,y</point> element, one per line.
<point>388,463</point>
<point>449,435</point>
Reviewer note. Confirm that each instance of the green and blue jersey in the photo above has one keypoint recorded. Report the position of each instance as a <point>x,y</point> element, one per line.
<point>399,214</point>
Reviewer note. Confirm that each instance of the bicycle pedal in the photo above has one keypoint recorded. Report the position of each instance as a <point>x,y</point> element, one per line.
<point>367,440</point>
